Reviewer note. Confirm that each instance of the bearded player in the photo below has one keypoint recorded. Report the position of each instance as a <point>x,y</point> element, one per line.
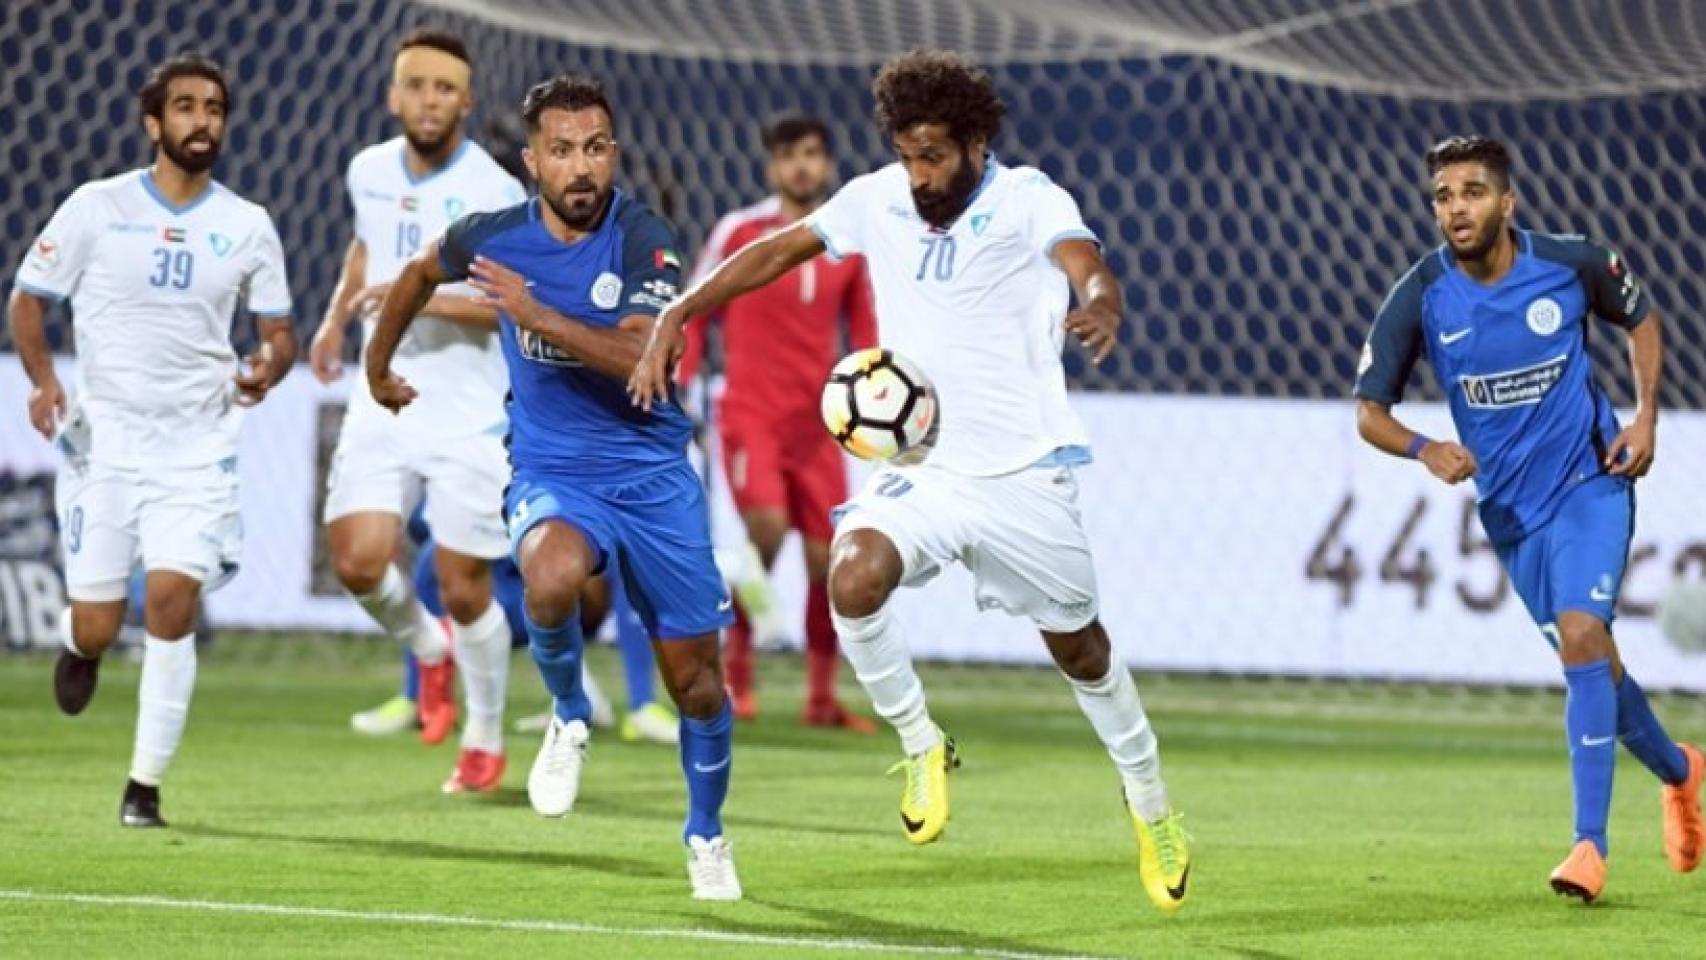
<point>154,263</point>
<point>779,341</point>
<point>1502,316</point>
<point>405,192</point>
<point>973,264</point>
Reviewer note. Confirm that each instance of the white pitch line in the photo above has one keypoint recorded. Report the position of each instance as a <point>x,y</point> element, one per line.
<point>529,926</point>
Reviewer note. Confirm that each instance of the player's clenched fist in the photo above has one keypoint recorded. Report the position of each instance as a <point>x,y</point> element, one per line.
<point>1451,462</point>
<point>389,390</point>
<point>47,406</point>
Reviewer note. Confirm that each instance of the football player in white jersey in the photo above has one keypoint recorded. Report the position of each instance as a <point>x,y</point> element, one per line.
<point>155,263</point>
<point>973,265</point>
<point>450,444</point>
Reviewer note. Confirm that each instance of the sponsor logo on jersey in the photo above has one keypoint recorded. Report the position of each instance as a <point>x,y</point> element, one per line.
<point>220,243</point>
<point>410,204</point>
<point>665,257</point>
<point>606,291</point>
<point>656,292</point>
<point>1545,316</point>
<point>174,235</point>
<point>979,222</point>
<point>539,350</point>
<point>47,252</point>
<point>1513,388</point>
<point>453,207</point>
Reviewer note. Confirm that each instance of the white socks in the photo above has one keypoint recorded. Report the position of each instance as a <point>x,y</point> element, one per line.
<point>882,663</point>
<point>393,605</point>
<point>482,657</point>
<point>163,704</point>
<point>1116,712</point>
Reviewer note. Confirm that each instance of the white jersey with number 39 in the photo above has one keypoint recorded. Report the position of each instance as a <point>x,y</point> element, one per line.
<point>979,306</point>
<point>153,290</point>
<point>457,369</point>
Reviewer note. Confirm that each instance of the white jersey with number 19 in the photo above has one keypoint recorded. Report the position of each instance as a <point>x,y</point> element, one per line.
<point>458,369</point>
<point>979,306</point>
<point>153,289</point>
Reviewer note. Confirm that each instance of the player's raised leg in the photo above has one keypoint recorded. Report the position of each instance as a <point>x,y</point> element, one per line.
<point>865,568</point>
<point>362,543</point>
<point>556,560</point>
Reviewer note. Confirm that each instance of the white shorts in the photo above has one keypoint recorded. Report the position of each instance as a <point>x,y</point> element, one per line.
<point>1019,534</point>
<point>184,519</point>
<point>379,467</point>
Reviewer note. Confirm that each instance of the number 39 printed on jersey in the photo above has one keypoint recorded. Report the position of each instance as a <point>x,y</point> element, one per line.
<point>172,268</point>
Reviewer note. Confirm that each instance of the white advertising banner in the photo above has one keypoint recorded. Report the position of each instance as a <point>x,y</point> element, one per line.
<point>1242,536</point>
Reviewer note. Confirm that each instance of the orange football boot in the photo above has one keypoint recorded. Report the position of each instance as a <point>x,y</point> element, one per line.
<point>1685,829</point>
<point>1582,874</point>
<point>477,771</point>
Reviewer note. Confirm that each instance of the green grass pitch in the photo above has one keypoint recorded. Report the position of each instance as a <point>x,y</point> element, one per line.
<point>1330,820</point>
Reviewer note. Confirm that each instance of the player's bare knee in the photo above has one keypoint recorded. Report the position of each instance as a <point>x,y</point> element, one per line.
<point>169,612</point>
<point>96,626</point>
<point>360,571</point>
<point>1083,654</point>
<point>553,587</point>
<point>1582,638</point>
<point>700,695</point>
<point>864,569</point>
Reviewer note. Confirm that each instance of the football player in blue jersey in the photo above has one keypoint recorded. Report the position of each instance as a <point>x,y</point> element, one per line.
<point>1501,314</point>
<point>578,273</point>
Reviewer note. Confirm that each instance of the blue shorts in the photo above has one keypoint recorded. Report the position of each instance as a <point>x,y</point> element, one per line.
<point>654,532</point>
<point>1576,561</point>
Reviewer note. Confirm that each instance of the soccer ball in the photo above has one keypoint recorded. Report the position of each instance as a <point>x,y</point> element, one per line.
<point>879,406</point>
<point>1682,615</point>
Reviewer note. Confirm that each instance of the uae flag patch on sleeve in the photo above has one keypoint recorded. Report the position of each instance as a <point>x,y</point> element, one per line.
<point>665,257</point>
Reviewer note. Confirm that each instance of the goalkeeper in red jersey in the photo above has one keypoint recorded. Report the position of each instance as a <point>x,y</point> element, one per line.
<point>783,468</point>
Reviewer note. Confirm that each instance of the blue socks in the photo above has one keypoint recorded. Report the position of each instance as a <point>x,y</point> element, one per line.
<point>706,756</point>
<point>1590,723</point>
<point>411,677</point>
<point>635,646</point>
<point>1645,737</point>
<point>557,651</point>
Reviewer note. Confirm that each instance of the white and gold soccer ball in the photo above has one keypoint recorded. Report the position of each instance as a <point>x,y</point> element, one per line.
<point>880,406</point>
<point>1682,614</point>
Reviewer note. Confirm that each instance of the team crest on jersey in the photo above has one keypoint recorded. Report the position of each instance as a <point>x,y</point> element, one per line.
<point>220,243</point>
<point>410,204</point>
<point>978,223</point>
<point>1545,316</point>
<point>453,207</point>
<point>606,291</point>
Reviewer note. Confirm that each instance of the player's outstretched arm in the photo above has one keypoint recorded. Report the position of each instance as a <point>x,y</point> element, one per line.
<point>326,350</point>
<point>1447,460</point>
<point>1631,454</point>
<point>611,351</point>
<point>754,266</point>
<point>1096,322</point>
<point>269,364</point>
<point>403,302</point>
<point>26,316</point>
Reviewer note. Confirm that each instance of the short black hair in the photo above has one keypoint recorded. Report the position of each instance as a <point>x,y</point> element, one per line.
<point>153,95</point>
<point>435,38</point>
<point>789,129</point>
<point>1490,153</point>
<point>568,91</point>
<point>937,86</point>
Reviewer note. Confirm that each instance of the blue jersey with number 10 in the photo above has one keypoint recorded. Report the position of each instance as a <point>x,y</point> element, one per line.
<point>1513,362</point>
<point>564,417</point>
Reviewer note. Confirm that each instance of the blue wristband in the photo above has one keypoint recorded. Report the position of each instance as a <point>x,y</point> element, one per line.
<point>1416,446</point>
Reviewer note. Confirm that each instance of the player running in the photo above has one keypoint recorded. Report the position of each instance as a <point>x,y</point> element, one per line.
<point>784,470</point>
<point>1501,315</point>
<point>577,275</point>
<point>154,263</point>
<point>405,192</point>
<point>973,264</point>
